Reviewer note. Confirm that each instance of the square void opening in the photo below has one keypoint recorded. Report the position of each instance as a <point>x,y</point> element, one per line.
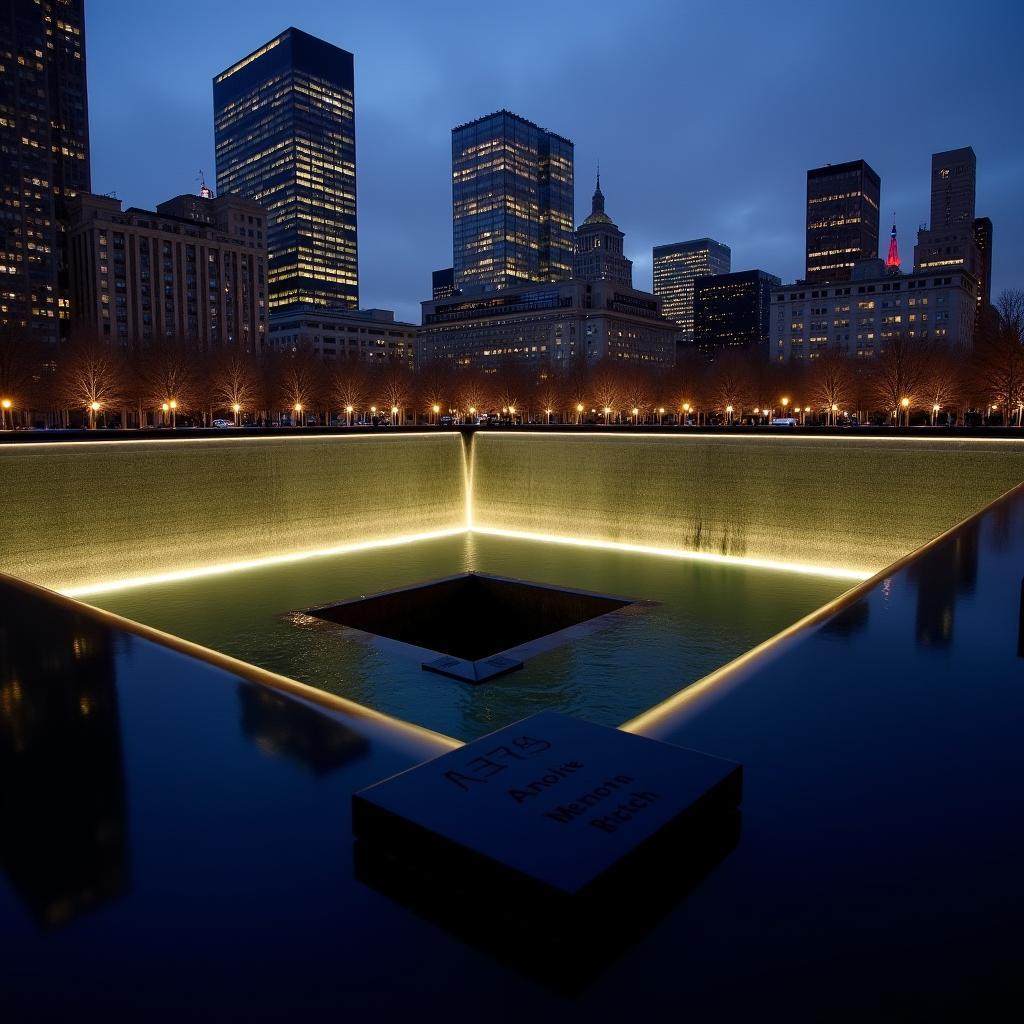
<point>475,626</point>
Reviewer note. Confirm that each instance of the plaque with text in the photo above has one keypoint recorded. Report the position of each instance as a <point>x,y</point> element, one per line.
<point>551,803</point>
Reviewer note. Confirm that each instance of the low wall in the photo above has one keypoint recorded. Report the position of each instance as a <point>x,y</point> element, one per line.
<point>837,502</point>
<point>80,514</point>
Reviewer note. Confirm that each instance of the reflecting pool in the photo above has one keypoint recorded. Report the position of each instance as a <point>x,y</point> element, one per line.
<point>699,616</point>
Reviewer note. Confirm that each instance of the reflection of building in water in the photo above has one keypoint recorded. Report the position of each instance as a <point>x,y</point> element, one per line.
<point>280,725</point>
<point>62,799</point>
<point>943,573</point>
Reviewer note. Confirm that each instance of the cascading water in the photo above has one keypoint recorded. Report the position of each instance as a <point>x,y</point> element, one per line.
<point>830,502</point>
<point>79,514</point>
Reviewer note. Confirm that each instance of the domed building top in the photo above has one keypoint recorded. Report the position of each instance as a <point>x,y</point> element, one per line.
<point>599,246</point>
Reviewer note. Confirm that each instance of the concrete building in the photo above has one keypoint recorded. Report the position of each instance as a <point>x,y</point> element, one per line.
<point>676,267</point>
<point>842,219</point>
<point>730,311</point>
<point>284,125</point>
<point>859,316</point>
<point>596,315</point>
<point>44,142</point>
<point>370,335</point>
<point>196,267</point>
<point>512,202</point>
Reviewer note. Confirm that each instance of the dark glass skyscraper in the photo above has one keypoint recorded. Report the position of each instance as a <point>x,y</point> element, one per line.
<point>285,134</point>
<point>732,311</point>
<point>676,267</point>
<point>512,202</point>
<point>44,140</point>
<point>842,219</point>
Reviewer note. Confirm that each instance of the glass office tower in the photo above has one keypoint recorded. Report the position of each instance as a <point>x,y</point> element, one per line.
<point>842,219</point>
<point>676,267</point>
<point>44,139</point>
<point>512,202</point>
<point>285,136</point>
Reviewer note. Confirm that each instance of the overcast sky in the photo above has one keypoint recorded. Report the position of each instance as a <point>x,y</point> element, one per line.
<point>705,116</point>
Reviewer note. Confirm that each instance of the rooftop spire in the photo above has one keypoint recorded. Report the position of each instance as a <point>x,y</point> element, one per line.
<point>893,259</point>
<point>597,206</point>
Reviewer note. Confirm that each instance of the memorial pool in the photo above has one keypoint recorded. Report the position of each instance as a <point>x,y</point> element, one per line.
<point>701,616</point>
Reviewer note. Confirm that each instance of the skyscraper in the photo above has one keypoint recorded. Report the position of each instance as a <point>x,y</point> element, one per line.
<point>512,202</point>
<point>842,219</point>
<point>732,311</point>
<point>983,242</point>
<point>44,139</point>
<point>285,135</point>
<point>676,267</point>
<point>599,255</point>
<point>954,178</point>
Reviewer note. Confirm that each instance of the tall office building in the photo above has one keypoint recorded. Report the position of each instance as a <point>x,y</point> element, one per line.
<point>285,135</point>
<point>676,267</point>
<point>443,283</point>
<point>44,139</point>
<point>512,202</point>
<point>842,219</point>
<point>599,255</point>
<point>955,238</point>
<point>732,311</point>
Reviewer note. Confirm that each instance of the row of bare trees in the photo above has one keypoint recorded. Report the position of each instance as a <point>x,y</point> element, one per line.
<point>174,381</point>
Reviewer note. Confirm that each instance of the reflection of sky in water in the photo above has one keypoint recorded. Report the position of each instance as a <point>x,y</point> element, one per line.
<point>706,615</point>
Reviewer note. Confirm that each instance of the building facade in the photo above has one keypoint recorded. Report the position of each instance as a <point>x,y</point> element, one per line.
<point>44,158</point>
<point>369,335</point>
<point>858,317</point>
<point>194,268</point>
<point>676,267</point>
<point>443,283</point>
<point>285,137</point>
<point>547,326</point>
<point>512,202</point>
<point>983,243</point>
<point>842,219</point>
<point>731,311</point>
<point>599,255</point>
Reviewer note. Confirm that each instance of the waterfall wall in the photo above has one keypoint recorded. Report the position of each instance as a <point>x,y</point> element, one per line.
<point>843,503</point>
<point>79,514</point>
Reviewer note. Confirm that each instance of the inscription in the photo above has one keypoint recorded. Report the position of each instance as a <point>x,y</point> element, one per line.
<point>479,769</point>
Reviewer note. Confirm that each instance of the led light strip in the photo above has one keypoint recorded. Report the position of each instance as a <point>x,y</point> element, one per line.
<point>91,589</point>
<point>857,575</point>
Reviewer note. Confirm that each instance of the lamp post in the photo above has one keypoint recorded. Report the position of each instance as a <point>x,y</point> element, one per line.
<point>661,414</point>
<point>686,413</point>
<point>297,407</point>
<point>905,402</point>
<point>436,409</point>
<point>173,405</point>
<point>164,408</point>
<point>785,406</point>
<point>607,420</point>
<point>728,412</point>
<point>548,411</point>
<point>512,414</point>
<point>579,412</point>
<point>935,413</point>
<point>348,413</point>
<point>236,409</point>
<point>636,413</point>
<point>472,411</point>
<point>835,409</point>
<point>94,407</point>
<point>5,406</point>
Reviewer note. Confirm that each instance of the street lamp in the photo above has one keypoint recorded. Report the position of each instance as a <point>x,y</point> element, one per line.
<point>607,410</point>
<point>636,412</point>
<point>164,407</point>
<point>835,409</point>
<point>298,412</point>
<point>579,412</point>
<point>728,412</point>
<point>236,409</point>
<point>394,414</point>
<point>661,414</point>
<point>548,411</point>
<point>807,409</point>
<point>686,412</point>
<point>348,412</point>
<point>785,406</point>
<point>935,413</point>
<point>905,402</point>
<point>436,409</point>
<point>5,405</point>
<point>94,407</point>
<point>173,406</point>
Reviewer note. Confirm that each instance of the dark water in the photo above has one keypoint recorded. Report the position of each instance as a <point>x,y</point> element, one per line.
<point>705,616</point>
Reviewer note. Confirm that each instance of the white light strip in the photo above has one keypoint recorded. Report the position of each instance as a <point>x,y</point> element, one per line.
<point>694,556</point>
<point>701,434</point>
<point>91,589</point>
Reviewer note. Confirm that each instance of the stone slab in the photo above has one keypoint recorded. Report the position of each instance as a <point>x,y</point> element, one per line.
<point>550,803</point>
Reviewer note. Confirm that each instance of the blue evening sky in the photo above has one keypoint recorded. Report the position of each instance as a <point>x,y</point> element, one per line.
<point>705,116</point>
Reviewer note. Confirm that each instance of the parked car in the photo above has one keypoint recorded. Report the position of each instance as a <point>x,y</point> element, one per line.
<point>784,421</point>
<point>223,423</point>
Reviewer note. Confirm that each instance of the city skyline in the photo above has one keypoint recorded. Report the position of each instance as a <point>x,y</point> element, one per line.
<point>418,77</point>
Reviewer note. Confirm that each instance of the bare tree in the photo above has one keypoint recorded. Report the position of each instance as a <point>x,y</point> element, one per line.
<point>830,383</point>
<point>898,377</point>
<point>21,370</point>
<point>234,382</point>
<point>999,357</point>
<point>350,387</point>
<point>729,384</point>
<point>169,376</point>
<point>91,377</point>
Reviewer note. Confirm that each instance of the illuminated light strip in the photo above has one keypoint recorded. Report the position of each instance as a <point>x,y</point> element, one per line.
<point>91,589</point>
<point>701,434</point>
<point>858,575</point>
